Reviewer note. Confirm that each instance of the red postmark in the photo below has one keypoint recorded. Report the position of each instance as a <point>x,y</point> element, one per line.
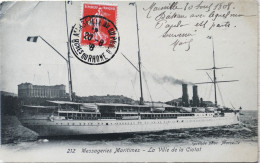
<point>96,33</point>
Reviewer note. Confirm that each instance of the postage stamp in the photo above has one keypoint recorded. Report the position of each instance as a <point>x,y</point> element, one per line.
<point>96,31</point>
<point>95,40</point>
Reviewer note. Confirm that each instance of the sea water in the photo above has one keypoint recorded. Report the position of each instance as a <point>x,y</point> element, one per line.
<point>192,141</point>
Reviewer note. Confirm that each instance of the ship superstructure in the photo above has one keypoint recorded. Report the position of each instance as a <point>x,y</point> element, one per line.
<point>70,118</point>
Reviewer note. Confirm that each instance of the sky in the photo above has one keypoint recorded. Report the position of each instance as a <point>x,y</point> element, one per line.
<point>236,47</point>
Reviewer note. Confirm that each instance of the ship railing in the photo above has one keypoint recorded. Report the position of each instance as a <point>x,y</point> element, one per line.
<point>173,117</point>
<point>82,118</point>
<point>108,117</point>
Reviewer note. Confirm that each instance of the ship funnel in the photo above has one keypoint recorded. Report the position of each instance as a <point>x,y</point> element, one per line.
<point>195,98</point>
<point>185,96</point>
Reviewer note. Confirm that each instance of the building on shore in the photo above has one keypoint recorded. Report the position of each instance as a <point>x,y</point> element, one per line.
<point>41,91</point>
<point>4,93</point>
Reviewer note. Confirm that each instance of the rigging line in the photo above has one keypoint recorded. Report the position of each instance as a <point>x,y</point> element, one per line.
<point>206,90</point>
<point>167,91</point>
<point>134,89</point>
<point>209,76</point>
<point>130,62</point>
<point>210,85</point>
<point>209,95</point>
<point>135,77</point>
<point>147,83</point>
<point>160,85</point>
<point>218,90</point>
<point>148,88</point>
<point>221,96</point>
<point>146,69</point>
<point>232,106</point>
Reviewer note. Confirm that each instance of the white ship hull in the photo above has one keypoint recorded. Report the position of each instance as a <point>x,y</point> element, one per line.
<point>58,127</point>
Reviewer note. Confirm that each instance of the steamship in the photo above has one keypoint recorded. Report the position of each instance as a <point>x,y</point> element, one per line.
<point>73,118</point>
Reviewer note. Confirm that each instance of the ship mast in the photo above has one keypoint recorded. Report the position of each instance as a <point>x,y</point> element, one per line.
<point>68,61</point>
<point>214,68</point>
<point>35,38</point>
<point>139,56</point>
<point>214,73</point>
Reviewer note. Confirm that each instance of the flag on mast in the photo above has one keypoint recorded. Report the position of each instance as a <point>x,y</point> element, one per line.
<point>32,39</point>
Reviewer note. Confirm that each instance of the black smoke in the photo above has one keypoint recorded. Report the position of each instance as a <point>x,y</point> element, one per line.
<point>168,79</point>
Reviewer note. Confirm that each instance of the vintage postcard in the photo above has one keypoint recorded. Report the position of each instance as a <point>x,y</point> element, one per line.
<point>129,81</point>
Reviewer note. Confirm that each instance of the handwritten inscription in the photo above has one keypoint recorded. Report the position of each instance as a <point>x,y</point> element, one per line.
<point>180,22</point>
